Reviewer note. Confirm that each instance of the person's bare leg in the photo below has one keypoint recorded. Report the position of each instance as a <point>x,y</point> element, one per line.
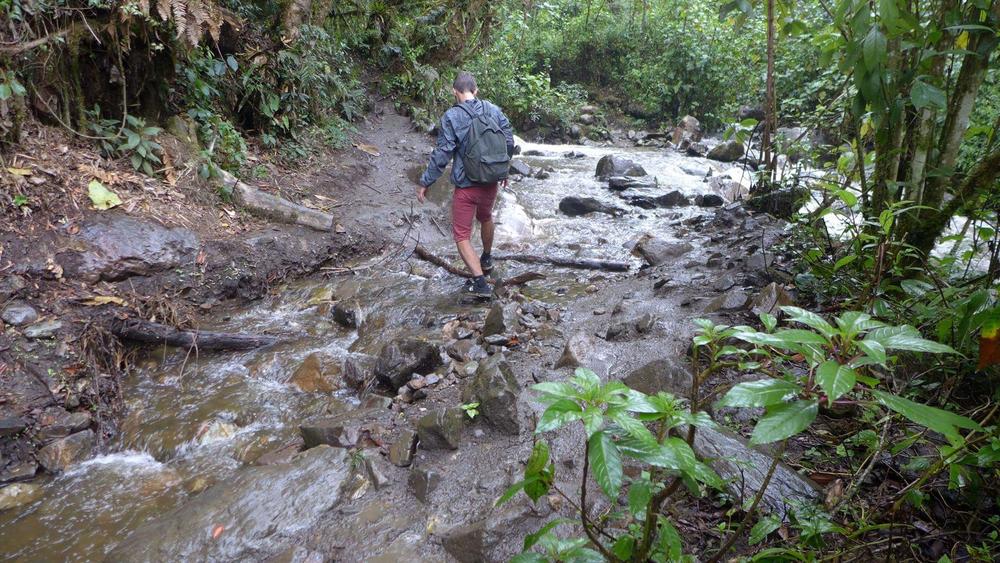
<point>470,258</point>
<point>486,229</point>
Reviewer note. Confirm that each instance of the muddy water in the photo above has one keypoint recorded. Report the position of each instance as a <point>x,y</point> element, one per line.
<point>193,422</point>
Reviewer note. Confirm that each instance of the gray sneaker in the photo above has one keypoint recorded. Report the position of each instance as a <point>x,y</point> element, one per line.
<point>478,288</point>
<point>486,263</point>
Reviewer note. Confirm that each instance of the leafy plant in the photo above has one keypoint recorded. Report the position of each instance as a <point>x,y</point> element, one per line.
<point>132,139</point>
<point>471,409</point>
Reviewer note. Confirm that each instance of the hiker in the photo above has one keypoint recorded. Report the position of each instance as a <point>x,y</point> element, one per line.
<point>476,136</point>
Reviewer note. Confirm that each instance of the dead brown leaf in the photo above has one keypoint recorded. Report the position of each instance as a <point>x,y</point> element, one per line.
<point>370,149</point>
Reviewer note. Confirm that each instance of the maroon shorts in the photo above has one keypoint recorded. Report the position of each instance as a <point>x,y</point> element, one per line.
<point>474,200</point>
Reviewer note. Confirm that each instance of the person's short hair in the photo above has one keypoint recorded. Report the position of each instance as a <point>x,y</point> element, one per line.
<point>465,82</point>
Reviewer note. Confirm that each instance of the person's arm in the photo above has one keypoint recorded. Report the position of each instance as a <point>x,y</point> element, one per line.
<point>443,151</point>
<point>508,131</point>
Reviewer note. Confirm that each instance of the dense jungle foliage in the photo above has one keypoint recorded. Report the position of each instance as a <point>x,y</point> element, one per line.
<point>888,111</point>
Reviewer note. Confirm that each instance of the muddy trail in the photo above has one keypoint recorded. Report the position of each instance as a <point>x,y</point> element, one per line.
<point>347,440</point>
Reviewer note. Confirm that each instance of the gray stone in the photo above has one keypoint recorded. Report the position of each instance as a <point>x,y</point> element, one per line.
<point>617,165</point>
<point>10,285</point>
<point>297,554</point>
<point>44,329</point>
<point>260,507</point>
<point>501,319</point>
<point>696,150</point>
<point>19,494</point>
<point>583,350</point>
<point>359,370</point>
<point>709,200</point>
<point>55,422</point>
<point>732,300</point>
<point>743,469</point>
<point>18,470</point>
<point>518,166</point>
<point>630,328</point>
<point>496,537</point>
<point>400,359</point>
<point>121,246</point>
<point>348,313</point>
<point>19,313</point>
<point>657,251</point>
<point>587,119</point>
<point>574,206</point>
<point>495,388</point>
<point>661,375</point>
<point>12,425</point>
<point>782,203</point>
<point>334,432</point>
<point>619,183</point>
<point>770,299</point>
<point>728,151</point>
<point>402,450</point>
<point>65,452</point>
<point>422,482</point>
<point>441,429</point>
<point>696,169</point>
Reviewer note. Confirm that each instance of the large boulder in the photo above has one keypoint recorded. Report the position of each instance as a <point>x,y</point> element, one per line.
<point>501,319</point>
<point>118,246</point>
<point>583,350</point>
<point>313,377</point>
<point>661,375</point>
<point>729,151</point>
<point>781,202</point>
<point>732,300</point>
<point>657,251</point>
<point>574,206</point>
<point>65,452</point>
<point>495,388</point>
<point>617,165</point>
<point>770,299</point>
<point>441,429</point>
<point>688,129</point>
<point>253,512</point>
<point>19,313</point>
<point>400,359</point>
<point>496,536</point>
<point>671,199</point>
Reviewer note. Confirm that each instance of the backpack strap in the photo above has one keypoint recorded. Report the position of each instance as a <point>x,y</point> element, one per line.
<point>471,115</point>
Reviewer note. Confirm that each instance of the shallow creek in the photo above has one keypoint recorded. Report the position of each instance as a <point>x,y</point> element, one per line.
<point>192,420</point>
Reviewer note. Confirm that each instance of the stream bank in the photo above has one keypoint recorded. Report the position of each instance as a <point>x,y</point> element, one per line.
<point>347,440</point>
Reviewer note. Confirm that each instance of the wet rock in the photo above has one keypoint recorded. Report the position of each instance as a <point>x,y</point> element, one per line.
<point>709,200</point>
<point>311,377</point>
<point>441,429</point>
<point>495,388</point>
<point>494,538</point>
<point>587,119</point>
<point>628,329</point>
<point>724,283</point>
<point>10,285</point>
<point>661,375</point>
<point>258,508</point>
<point>782,202</point>
<point>19,494</point>
<point>617,165</point>
<point>671,199</point>
<point>465,350</point>
<point>696,150</point>
<point>770,299</point>
<point>620,183</point>
<point>348,313</point>
<point>19,313</point>
<point>543,175</point>
<point>19,470</point>
<point>759,261</point>
<point>402,450</point>
<point>120,246</point>
<point>55,422</point>
<point>574,206</point>
<point>400,359</point>
<point>743,469</point>
<point>657,251</point>
<point>500,320</point>
<point>422,482</point>
<point>696,169</point>
<point>12,425</point>
<point>335,433</point>
<point>215,430</point>
<point>732,300</point>
<point>282,454</point>
<point>64,452</point>
<point>359,370</point>
<point>43,330</point>
<point>583,350</point>
<point>728,151</point>
<point>518,166</point>
<point>297,554</point>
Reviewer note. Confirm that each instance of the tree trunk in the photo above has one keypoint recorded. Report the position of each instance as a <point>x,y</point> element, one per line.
<point>293,16</point>
<point>770,104</point>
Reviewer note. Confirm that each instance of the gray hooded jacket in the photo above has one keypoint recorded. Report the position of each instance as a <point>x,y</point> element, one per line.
<point>452,130</point>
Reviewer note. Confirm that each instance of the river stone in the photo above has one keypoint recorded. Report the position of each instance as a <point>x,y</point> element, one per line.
<point>400,359</point>
<point>296,554</point>
<point>311,377</point>
<point>782,202</point>
<point>657,251</point>
<point>422,482</point>
<point>496,321</point>
<point>770,299</point>
<point>19,494</point>
<point>19,313</point>
<point>628,329</point>
<point>55,422</point>
<point>709,200</point>
<point>348,313</point>
<point>10,285</point>
<point>731,300</point>
<point>574,206</point>
<point>698,150</point>
<point>661,375</point>
<point>619,183</point>
<point>495,388</point>
<point>401,451</point>
<point>583,350</point>
<point>120,246</point>
<point>259,507</point>
<point>358,369</point>
<point>518,166</point>
<point>11,425</point>
<point>743,469</point>
<point>441,429</point>
<point>44,329</point>
<point>728,151</point>
<point>617,165</point>
<point>64,452</point>
<point>334,432</point>
<point>496,537</point>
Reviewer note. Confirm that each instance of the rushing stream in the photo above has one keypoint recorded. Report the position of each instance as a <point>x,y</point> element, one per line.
<point>193,420</point>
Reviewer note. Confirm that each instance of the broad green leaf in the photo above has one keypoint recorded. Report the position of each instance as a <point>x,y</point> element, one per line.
<point>669,540</point>
<point>511,491</point>
<point>631,426</point>
<point>593,420</point>
<point>809,319</point>
<point>873,349</point>
<point>799,336</point>
<point>531,539</point>
<point>558,414</point>
<point>102,197</point>
<point>529,557</point>
<point>760,393</point>
<point>639,495</point>
<point>763,528</point>
<point>623,547</point>
<point>873,49</point>
<point>5,91</point>
<point>925,95</point>
<point>586,379</point>
<point>835,379</point>
<point>944,422</point>
<point>605,463</point>
<point>783,421</point>
<point>538,473</point>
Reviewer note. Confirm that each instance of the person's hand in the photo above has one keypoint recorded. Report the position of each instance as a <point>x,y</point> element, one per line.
<point>421,194</point>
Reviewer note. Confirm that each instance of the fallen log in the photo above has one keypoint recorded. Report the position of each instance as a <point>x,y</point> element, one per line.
<point>155,333</point>
<point>576,263</point>
<point>425,255</point>
<point>522,279</point>
<point>273,207</point>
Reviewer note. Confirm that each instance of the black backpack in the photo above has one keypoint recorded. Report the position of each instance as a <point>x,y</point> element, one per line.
<point>484,149</point>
